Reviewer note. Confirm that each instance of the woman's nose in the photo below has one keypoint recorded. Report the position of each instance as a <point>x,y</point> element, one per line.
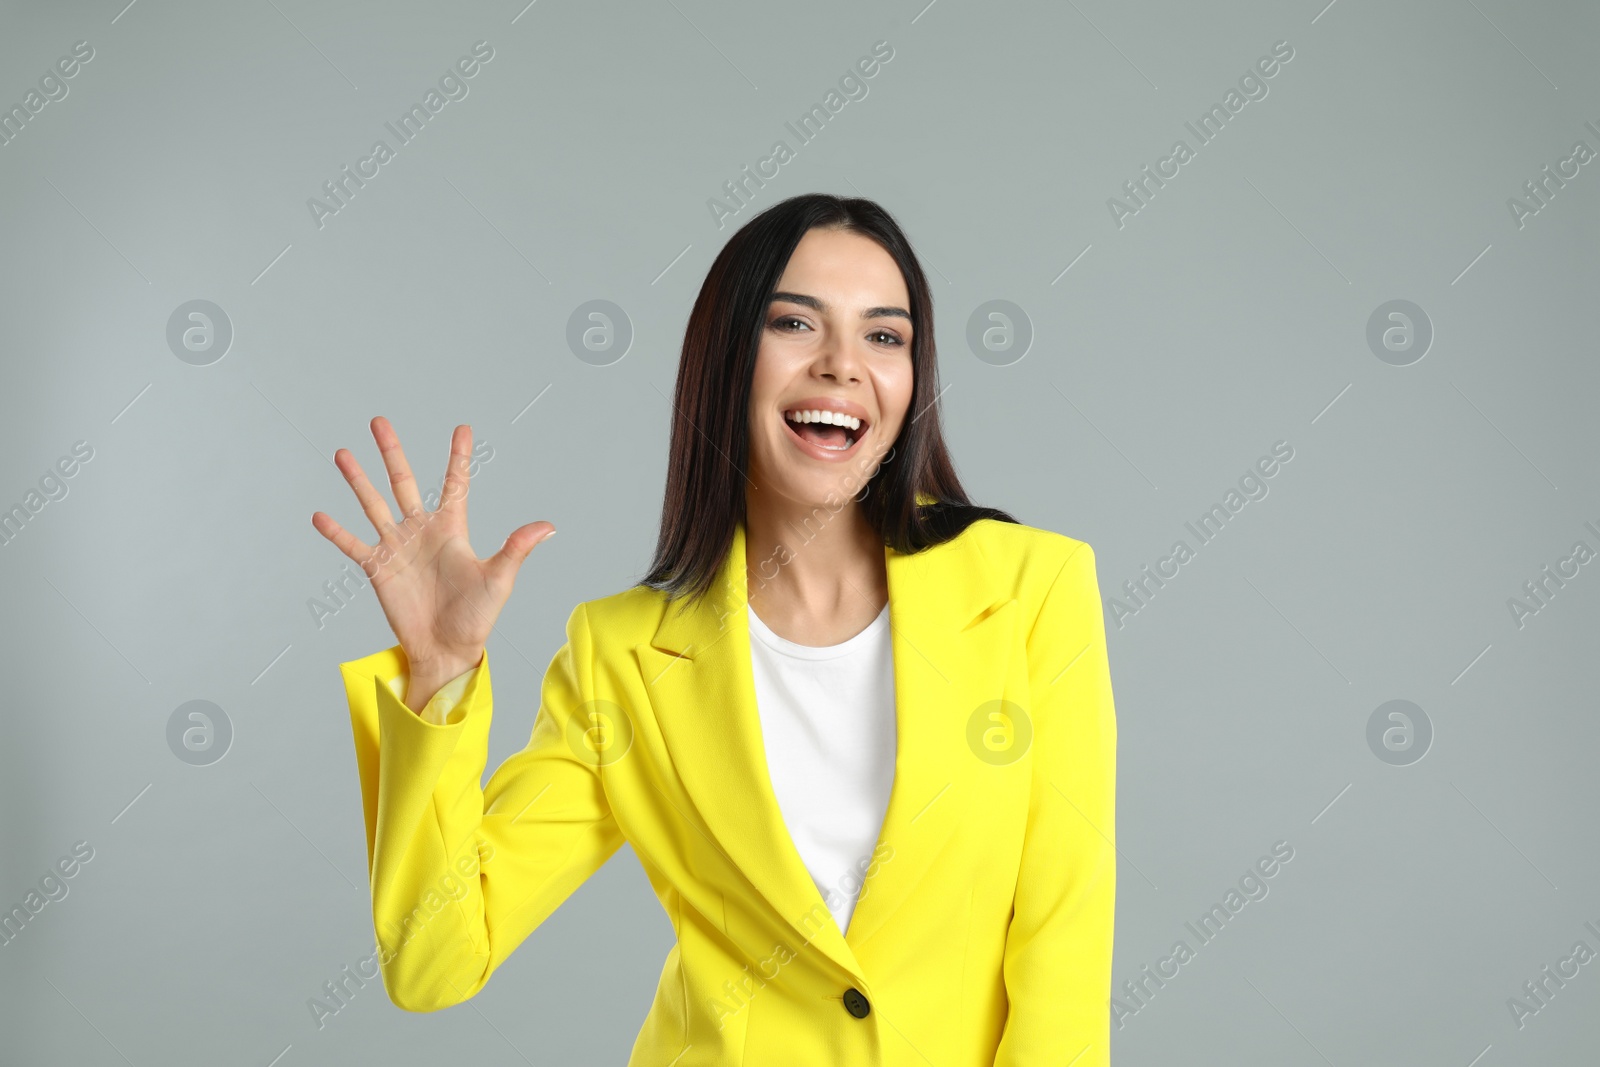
<point>839,361</point>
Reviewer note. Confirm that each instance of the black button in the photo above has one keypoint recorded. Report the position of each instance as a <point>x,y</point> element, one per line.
<point>855,1003</point>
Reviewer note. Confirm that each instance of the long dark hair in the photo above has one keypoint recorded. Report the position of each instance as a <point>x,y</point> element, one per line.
<point>914,500</point>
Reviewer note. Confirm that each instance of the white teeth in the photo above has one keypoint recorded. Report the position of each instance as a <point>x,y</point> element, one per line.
<point>834,418</point>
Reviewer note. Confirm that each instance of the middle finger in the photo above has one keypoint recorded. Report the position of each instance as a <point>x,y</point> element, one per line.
<point>394,460</point>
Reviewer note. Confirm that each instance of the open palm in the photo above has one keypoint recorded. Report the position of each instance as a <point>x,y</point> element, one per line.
<point>441,600</point>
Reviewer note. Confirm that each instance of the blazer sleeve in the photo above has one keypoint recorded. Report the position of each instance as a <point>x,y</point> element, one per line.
<point>438,708</point>
<point>1057,962</point>
<point>462,874</point>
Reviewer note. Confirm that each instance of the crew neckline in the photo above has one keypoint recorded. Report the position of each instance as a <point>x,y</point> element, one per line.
<point>766,636</point>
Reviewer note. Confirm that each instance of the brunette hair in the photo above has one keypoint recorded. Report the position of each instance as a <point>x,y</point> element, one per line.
<point>914,500</point>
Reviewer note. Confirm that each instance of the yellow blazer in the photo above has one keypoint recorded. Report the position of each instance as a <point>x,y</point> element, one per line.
<point>983,932</point>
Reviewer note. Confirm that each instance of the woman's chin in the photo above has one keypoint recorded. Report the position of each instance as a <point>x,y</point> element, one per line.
<point>804,484</point>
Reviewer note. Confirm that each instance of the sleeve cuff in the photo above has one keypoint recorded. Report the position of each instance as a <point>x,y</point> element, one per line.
<point>438,710</point>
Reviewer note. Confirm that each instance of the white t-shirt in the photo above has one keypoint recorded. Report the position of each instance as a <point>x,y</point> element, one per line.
<point>827,722</point>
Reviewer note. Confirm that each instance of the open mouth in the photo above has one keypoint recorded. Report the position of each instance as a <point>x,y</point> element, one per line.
<point>829,431</point>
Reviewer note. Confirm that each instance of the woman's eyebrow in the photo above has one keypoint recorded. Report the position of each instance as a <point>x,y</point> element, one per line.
<point>817,305</point>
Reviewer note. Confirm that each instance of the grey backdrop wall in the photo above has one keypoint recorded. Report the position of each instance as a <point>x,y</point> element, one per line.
<point>1370,272</point>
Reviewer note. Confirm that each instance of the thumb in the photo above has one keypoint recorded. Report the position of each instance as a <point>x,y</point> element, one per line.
<point>505,563</point>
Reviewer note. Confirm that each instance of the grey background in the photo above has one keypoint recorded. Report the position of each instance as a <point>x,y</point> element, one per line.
<point>1230,313</point>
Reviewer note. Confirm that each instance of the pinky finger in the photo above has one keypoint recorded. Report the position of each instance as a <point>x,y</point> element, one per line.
<point>343,539</point>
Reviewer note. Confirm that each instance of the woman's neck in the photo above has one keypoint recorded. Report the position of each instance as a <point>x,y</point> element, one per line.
<point>815,577</point>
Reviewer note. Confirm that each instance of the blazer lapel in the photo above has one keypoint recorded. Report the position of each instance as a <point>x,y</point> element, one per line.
<point>951,634</point>
<point>954,630</point>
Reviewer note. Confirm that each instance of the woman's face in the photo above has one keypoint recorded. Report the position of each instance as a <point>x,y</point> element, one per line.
<point>836,338</point>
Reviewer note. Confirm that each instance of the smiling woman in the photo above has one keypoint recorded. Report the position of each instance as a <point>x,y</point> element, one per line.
<point>820,305</point>
<point>858,730</point>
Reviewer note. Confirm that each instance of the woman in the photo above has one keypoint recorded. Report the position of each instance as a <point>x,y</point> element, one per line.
<point>858,731</point>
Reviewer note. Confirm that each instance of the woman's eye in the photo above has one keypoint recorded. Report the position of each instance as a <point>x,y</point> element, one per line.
<point>789,324</point>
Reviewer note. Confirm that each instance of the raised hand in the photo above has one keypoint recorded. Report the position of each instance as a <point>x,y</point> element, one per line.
<point>441,600</point>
